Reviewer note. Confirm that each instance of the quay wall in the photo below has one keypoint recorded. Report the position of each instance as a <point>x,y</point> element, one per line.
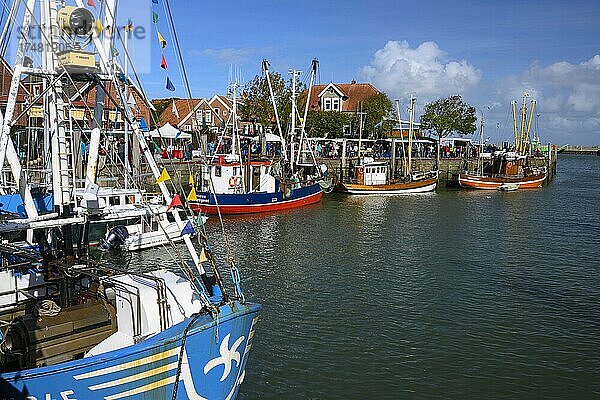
<point>449,168</point>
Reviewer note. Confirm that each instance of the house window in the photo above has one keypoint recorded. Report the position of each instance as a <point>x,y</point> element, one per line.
<point>217,111</point>
<point>199,115</point>
<point>187,128</point>
<point>335,104</point>
<point>208,116</point>
<point>327,104</point>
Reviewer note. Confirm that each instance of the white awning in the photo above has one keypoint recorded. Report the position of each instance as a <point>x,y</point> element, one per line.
<point>168,131</point>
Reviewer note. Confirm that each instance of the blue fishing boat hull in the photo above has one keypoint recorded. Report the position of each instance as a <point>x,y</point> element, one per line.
<point>206,356</point>
<point>233,203</point>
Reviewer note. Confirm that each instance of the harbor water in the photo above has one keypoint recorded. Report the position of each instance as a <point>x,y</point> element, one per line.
<point>454,294</point>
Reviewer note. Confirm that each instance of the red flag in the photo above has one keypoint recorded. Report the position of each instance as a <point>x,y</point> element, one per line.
<point>91,3</point>
<point>175,202</point>
<point>163,62</point>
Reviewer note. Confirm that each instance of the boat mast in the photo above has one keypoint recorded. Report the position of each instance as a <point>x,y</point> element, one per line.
<point>7,148</point>
<point>528,133</point>
<point>265,68</point>
<point>514,112</point>
<point>294,74</point>
<point>410,133</point>
<point>401,138</point>
<point>479,158</point>
<point>303,138</point>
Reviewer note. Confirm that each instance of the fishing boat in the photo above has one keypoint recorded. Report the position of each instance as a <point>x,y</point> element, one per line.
<point>507,168</point>
<point>234,184</point>
<point>371,177</point>
<point>73,326</point>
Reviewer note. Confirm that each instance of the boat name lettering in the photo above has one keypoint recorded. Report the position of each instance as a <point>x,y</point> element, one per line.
<point>64,395</point>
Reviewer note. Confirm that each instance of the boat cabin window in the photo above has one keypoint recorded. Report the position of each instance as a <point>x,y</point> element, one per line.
<point>236,171</point>
<point>217,170</point>
<point>114,200</point>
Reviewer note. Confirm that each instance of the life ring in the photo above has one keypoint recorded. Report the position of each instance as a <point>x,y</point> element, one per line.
<point>232,181</point>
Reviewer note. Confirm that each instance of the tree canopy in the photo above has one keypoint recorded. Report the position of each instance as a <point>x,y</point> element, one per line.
<point>375,108</point>
<point>449,115</point>
<point>326,123</point>
<point>257,103</point>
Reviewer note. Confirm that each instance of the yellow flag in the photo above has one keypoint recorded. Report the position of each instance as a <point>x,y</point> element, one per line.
<point>203,256</point>
<point>98,27</point>
<point>161,39</point>
<point>192,195</point>
<point>191,180</point>
<point>164,176</point>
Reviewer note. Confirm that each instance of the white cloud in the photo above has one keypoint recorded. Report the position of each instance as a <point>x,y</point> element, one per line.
<point>568,98</point>
<point>425,71</point>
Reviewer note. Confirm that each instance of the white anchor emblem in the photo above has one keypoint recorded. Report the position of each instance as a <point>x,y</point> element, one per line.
<point>227,356</point>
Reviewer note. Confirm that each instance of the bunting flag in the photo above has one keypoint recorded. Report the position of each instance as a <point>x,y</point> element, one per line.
<point>191,180</point>
<point>188,229</point>
<point>129,26</point>
<point>170,85</point>
<point>161,39</point>
<point>91,3</point>
<point>154,17</point>
<point>164,176</point>
<point>174,110</point>
<point>98,26</point>
<point>163,62</point>
<point>144,125</point>
<point>155,1</point>
<point>113,51</point>
<point>203,256</point>
<point>192,196</point>
<point>200,220</point>
<point>178,133</point>
<point>175,202</point>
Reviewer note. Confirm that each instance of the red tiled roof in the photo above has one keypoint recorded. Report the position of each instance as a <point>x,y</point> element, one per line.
<point>184,108</point>
<point>353,94</point>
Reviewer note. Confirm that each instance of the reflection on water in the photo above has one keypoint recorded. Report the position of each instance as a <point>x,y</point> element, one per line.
<point>452,294</point>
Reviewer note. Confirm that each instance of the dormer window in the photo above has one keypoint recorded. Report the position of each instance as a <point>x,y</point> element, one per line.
<point>335,105</point>
<point>327,104</point>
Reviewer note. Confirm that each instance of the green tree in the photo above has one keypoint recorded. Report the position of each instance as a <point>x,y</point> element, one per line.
<point>257,104</point>
<point>326,123</point>
<point>449,115</point>
<point>376,108</point>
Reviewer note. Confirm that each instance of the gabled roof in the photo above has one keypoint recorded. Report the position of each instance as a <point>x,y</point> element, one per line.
<point>185,107</point>
<point>223,100</point>
<point>332,87</point>
<point>352,93</point>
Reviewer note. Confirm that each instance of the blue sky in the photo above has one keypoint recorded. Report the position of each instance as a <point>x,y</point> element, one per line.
<point>490,52</point>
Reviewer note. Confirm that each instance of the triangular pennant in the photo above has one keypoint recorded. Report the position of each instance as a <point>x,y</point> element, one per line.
<point>164,176</point>
<point>163,62</point>
<point>175,202</point>
<point>155,1</point>
<point>98,27</point>
<point>161,39</point>
<point>178,133</point>
<point>91,3</point>
<point>192,196</point>
<point>129,26</point>
<point>170,85</point>
<point>203,256</point>
<point>188,229</point>
<point>191,180</point>
<point>200,220</point>
<point>174,109</point>
<point>113,51</point>
<point>144,125</point>
<point>154,17</point>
